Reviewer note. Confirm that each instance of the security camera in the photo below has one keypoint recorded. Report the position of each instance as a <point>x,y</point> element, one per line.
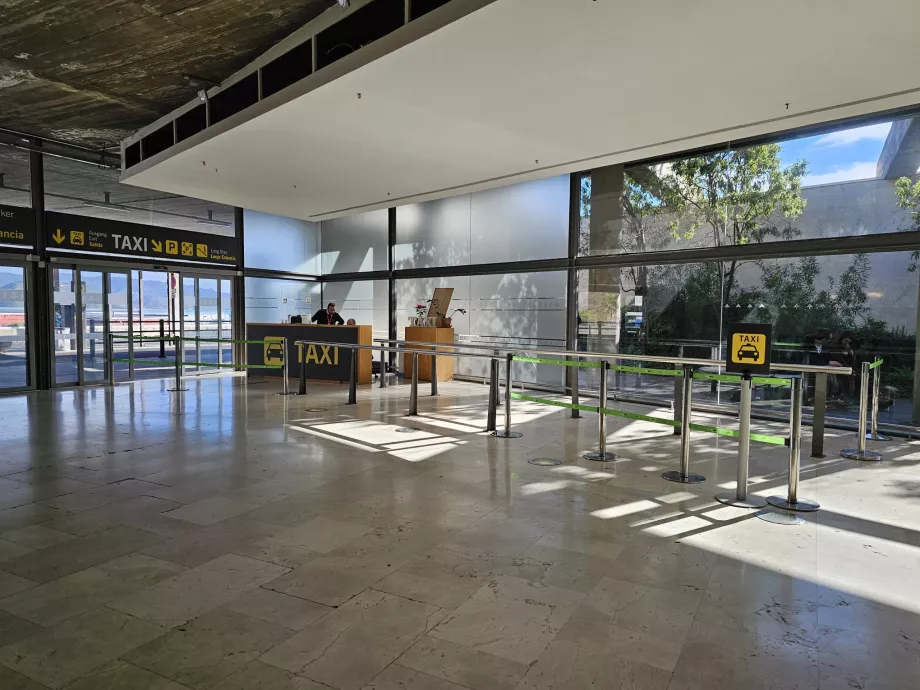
<point>344,4</point>
<point>202,95</point>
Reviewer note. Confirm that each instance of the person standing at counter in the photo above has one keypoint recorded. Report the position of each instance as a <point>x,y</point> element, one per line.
<point>328,316</point>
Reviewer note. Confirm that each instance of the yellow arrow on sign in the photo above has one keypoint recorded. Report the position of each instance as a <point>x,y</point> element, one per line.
<point>157,246</point>
<point>59,236</point>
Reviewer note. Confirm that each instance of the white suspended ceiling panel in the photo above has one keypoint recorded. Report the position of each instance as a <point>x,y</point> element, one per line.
<point>523,89</point>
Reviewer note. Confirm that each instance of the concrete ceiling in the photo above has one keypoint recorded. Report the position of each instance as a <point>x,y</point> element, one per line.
<point>529,88</point>
<point>94,71</point>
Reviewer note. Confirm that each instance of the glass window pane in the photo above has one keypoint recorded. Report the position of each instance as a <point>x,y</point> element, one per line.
<point>65,325</point>
<point>365,301</point>
<point>156,304</point>
<point>433,233</point>
<point>355,243</point>
<point>281,244</point>
<point>93,285</point>
<point>14,365</point>
<point>270,300</point>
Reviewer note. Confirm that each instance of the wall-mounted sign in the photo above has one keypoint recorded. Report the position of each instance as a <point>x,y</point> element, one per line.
<point>86,234</point>
<point>17,226</point>
<point>749,346</point>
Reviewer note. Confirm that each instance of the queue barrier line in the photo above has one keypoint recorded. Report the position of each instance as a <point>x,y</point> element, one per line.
<point>732,378</point>
<point>561,362</point>
<point>554,403</point>
<point>876,363</point>
<point>201,364</point>
<point>125,336</point>
<point>646,370</point>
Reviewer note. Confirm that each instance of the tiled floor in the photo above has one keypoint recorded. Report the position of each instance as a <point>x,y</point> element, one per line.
<point>243,540</point>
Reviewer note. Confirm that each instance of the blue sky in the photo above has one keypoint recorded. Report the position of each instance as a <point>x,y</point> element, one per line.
<point>847,154</point>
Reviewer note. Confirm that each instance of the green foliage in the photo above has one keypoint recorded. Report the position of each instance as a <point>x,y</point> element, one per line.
<point>908,193</point>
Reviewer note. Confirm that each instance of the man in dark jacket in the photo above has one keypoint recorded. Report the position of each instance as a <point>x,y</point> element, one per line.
<point>328,316</point>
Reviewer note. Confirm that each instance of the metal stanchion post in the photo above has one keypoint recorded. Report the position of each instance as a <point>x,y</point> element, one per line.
<point>740,498</point>
<point>413,390</point>
<point>493,395</point>
<point>506,432</point>
<point>383,368</point>
<point>284,370</point>
<point>860,452</point>
<point>678,403</point>
<point>302,390</point>
<point>602,455</point>
<point>683,475</point>
<point>876,387</point>
<point>434,373</point>
<point>792,501</point>
<point>353,378</point>
<point>574,373</point>
<point>110,357</point>
<point>817,416</point>
<point>178,387</point>
<point>162,339</point>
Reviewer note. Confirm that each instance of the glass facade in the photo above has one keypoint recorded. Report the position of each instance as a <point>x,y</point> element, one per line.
<point>355,244</point>
<point>280,244</point>
<point>365,301</point>
<point>271,300</point>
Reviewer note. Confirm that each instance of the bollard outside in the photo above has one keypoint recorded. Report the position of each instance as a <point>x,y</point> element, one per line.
<point>491,419</point>
<point>302,390</point>
<point>162,339</point>
<point>178,367</point>
<point>506,432</point>
<point>792,501</point>
<point>434,374</point>
<point>383,368</point>
<point>860,453</point>
<point>683,475</point>
<point>413,389</point>
<point>602,455</point>
<point>353,378</point>
<point>740,498</point>
<point>876,387</point>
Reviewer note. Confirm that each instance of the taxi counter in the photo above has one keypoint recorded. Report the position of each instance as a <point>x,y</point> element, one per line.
<point>324,363</point>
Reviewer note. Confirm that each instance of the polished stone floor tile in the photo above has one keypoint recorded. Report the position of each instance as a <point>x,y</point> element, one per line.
<point>186,596</point>
<point>320,534</point>
<point>864,659</point>
<point>120,675</point>
<point>56,601</point>
<point>135,512</point>
<point>661,613</point>
<point>203,544</point>
<point>36,536</point>
<point>261,676</point>
<point>396,677</point>
<point>464,666</point>
<point>208,649</point>
<point>565,665</point>
<point>280,609</point>
<point>10,550</point>
<point>48,564</point>
<point>667,565</point>
<point>511,618</point>
<point>716,656</point>
<point>10,680</point>
<point>326,580</point>
<point>279,554</point>
<point>209,511</point>
<point>28,514</point>
<point>622,642</point>
<point>349,647</point>
<point>10,584</point>
<point>13,628</point>
<point>58,655</point>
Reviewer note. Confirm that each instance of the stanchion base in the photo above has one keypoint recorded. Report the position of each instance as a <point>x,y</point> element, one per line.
<point>600,457</point>
<point>876,437</point>
<point>507,434</point>
<point>546,462</point>
<point>749,502</point>
<point>865,456</point>
<point>290,393</point>
<point>803,505</point>
<point>406,430</point>
<point>676,476</point>
<point>780,518</point>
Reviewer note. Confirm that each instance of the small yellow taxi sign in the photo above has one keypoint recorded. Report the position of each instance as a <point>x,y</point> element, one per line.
<point>749,346</point>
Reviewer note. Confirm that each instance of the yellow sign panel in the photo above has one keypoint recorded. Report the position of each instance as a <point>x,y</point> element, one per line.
<point>76,238</point>
<point>188,249</point>
<point>322,354</point>
<point>157,245</point>
<point>172,247</point>
<point>748,348</point>
<point>274,349</point>
<point>201,251</point>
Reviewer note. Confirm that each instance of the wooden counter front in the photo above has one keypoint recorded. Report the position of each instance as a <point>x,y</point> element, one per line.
<point>430,335</point>
<point>323,364</point>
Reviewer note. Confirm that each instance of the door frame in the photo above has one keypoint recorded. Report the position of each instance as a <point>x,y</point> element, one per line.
<point>25,264</point>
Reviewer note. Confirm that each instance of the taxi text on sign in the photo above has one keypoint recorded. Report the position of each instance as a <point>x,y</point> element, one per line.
<point>749,347</point>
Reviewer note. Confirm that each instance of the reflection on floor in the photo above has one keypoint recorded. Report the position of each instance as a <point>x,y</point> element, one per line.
<point>236,539</point>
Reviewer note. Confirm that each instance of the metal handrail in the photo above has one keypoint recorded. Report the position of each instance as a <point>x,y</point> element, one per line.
<point>796,368</point>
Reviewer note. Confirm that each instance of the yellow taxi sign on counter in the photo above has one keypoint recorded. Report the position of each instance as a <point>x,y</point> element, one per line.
<point>749,346</point>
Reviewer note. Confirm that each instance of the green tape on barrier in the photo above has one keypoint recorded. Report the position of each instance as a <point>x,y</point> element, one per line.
<point>554,403</point>
<point>561,362</point>
<point>876,363</point>
<point>773,440</point>
<point>162,362</point>
<point>125,336</point>
<point>731,378</point>
<point>645,370</point>
<point>762,381</point>
<point>640,417</point>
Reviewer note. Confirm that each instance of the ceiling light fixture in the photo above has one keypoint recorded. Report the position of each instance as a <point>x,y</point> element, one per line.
<point>211,221</point>
<point>107,204</point>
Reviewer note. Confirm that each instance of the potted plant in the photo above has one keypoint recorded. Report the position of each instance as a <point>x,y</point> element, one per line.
<point>419,315</point>
<point>446,321</point>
